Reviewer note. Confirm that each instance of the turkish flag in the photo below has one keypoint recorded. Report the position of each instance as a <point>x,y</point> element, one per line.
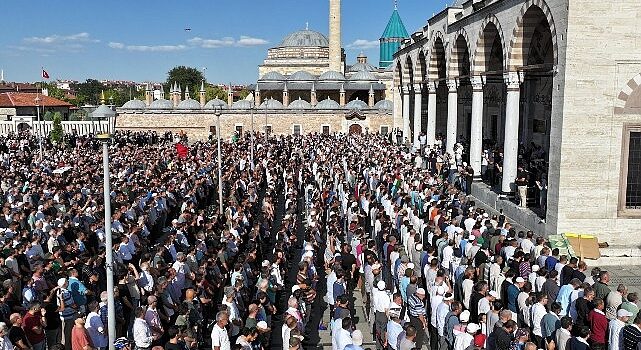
<point>182,150</point>
<point>45,75</point>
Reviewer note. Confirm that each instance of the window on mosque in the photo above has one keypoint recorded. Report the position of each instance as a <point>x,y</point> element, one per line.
<point>384,130</point>
<point>630,202</point>
<point>325,129</point>
<point>296,129</point>
<point>239,129</point>
<point>268,129</point>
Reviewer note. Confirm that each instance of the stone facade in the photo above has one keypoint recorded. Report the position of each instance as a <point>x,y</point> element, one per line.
<point>577,108</point>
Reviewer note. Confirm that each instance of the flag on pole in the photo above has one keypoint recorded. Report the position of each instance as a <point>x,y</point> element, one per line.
<point>45,75</point>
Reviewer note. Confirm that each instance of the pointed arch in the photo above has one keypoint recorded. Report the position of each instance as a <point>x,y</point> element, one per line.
<point>437,61</point>
<point>459,64</point>
<point>398,74</point>
<point>522,34</point>
<point>490,32</point>
<point>420,68</point>
<point>408,72</point>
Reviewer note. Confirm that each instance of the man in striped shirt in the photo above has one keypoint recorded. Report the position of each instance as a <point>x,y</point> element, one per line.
<point>416,311</point>
<point>631,335</point>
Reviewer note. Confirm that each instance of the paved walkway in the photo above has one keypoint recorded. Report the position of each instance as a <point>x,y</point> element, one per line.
<point>362,325</point>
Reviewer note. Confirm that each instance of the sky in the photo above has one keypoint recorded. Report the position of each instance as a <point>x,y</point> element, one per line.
<point>141,40</point>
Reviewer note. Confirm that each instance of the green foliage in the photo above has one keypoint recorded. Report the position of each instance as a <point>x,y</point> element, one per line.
<point>54,91</point>
<point>212,92</point>
<point>184,76</point>
<point>244,93</point>
<point>57,132</point>
<point>88,92</point>
<point>48,116</point>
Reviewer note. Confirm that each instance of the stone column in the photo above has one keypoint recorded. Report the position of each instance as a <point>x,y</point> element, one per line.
<point>431,113</point>
<point>418,114</point>
<point>452,115</point>
<point>406,113</point>
<point>511,140</point>
<point>398,108</point>
<point>476,135</point>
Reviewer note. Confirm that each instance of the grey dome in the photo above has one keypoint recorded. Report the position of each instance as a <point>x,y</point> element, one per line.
<point>356,104</point>
<point>161,104</point>
<point>300,104</point>
<point>384,105</point>
<point>103,112</point>
<point>271,104</point>
<point>363,75</point>
<point>215,103</point>
<point>328,104</point>
<point>332,75</point>
<point>273,76</point>
<point>301,75</point>
<point>189,104</point>
<point>304,38</point>
<point>242,104</point>
<point>361,67</point>
<point>134,104</point>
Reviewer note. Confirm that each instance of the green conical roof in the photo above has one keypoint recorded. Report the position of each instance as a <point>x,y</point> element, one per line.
<point>395,27</point>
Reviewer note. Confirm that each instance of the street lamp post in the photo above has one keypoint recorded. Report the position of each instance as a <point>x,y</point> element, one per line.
<point>218,112</point>
<point>111,306</point>
<point>251,153</point>
<point>39,127</point>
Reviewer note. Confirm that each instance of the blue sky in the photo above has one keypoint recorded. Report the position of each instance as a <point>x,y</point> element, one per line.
<point>141,40</point>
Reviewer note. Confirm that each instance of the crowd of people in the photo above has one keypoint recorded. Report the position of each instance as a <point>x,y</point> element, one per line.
<point>309,224</point>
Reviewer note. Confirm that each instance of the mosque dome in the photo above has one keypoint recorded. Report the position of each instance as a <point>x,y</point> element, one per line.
<point>161,104</point>
<point>356,104</point>
<point>328,104</point>
<point>299,104</point>
<point>301,75</point>
<point>361,67</point>
<point>384,105</point>
<point>305,38</point>
<point>271,104</point>
<point>215,103</point>
<point>189,104</point>
<point>242,104</point>
<point>273,76</point>
<point>134,104</point>
<point>332,75</point>
<point>363,75</point>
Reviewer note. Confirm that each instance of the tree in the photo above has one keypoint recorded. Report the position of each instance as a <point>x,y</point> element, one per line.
<point>56,133</point>
<point>185,77</point>
<point>213,91</point>
<point>88,92</point>
<point>54,91</point>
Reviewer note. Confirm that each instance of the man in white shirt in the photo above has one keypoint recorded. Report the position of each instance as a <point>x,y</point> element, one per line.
<point>142,332</point>
<point>614,329</point>
<point>219,336</point>
<point>343,336</point>
<point>538,311</point>
<point>464,339</point>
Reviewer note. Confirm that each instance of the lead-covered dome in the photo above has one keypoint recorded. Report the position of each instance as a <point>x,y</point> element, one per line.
<point>328,104</point>
<point>273,76</point>
<point>189,104</point>
<point>216,103</point>
<point>363,75</point>
<point>300,104</point>
<point>301,75</point>
<point>332,75</point>
<point>271,104</point>
<point>242,104</point>
<point>384,105</point>
<point>305,38</point>
<point>361,67</point>
<point>134,104</point>
<point>356,104</point>
<point>161,104</point>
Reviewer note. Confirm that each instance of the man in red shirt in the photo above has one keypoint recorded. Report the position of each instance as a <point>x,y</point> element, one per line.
<point>80,339</point>
<point>598,325</point>
<point>33,324</point>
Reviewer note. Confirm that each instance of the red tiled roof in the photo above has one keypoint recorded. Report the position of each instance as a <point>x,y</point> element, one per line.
<point>24,99</point>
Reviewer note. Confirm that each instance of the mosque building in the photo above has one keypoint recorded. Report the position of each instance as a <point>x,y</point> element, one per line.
<point>304,86</point>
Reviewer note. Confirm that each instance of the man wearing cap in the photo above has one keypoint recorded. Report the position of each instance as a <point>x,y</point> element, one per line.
<point>417,313</point>
<point>513,291</point>
<point>380,304</point>
<point>614,329</point>
<point>464,339</point>
<point>357,341</point>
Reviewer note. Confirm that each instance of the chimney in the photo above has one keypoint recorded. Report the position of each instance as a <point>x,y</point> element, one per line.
<point>187,93</point>
<point>257,100</point>
<point>203,99</point>
<point>335,49</point>
<point>230,96</point>
<point>313,97</point>
<point>370,102</point>
<point>148,96</point>
<point>285,96</point>
<point>342,95</point>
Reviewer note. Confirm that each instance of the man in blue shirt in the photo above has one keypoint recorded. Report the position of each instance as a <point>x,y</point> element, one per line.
<point>513,291</point>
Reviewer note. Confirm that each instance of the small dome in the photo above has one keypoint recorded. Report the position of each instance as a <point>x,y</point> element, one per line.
<point>271,104</point>
<point>215,103</point>
<point>356,104</point>
<point>189,104</point>
<point>134,104</point>
<point>300,104</point>
<point>305,38</point>
<point>273,76</point>
<point>384,105</point>
<point>328,104</point>
<point>103,112</point>
<point>161,104</point>
<point>361,67</point>
<point>332,75</point>
<point>363,75</point>
<point>242,104</point>
<point>301,75</point>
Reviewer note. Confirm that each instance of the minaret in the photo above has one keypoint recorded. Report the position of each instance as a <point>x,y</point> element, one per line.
<point>148,96</point>
<point>202,92</point>
<point>335,50</point>
<point>230,96</point>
